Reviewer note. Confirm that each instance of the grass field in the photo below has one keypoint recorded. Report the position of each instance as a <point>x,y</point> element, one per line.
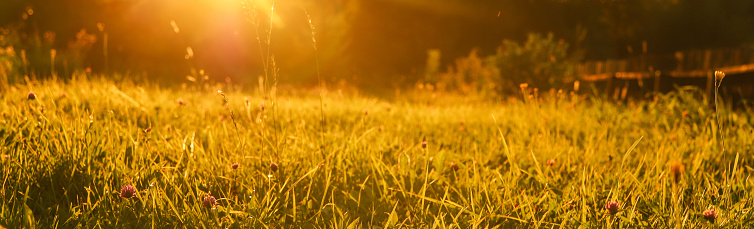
<point>540,161</point>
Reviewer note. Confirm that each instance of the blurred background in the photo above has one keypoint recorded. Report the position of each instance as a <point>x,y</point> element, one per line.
<point>466,45</point>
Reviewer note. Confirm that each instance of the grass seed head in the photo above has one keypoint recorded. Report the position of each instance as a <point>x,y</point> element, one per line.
<point>612,207</point>
<point>676,169</point>
<point>31,96</point>
<point>273,167</point>
<point>127,191</point>
<point>710,215</point>
<point>209,201</point>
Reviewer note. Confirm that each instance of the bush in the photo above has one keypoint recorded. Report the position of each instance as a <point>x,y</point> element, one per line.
<point>540,62</point>
<point>11,62</point>
<point>470,74</point>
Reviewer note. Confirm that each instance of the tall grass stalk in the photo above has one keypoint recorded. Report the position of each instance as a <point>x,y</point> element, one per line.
<point>268,64</point>
<point>719,75</point>
<point>101,28</point>
<point>53,52</point>
<point>273,96</point>
<point>233,119</point>
<point>273,91</point>
<point>322,122</point>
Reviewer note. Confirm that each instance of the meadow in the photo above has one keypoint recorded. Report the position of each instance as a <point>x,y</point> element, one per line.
<point>235,158</point>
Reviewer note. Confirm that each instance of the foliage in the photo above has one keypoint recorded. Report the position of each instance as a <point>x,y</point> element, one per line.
<point>11,62</point>
<point>540,62</point>
<point>10,66</point>
<point>472,74</point>
<point>552,160</point>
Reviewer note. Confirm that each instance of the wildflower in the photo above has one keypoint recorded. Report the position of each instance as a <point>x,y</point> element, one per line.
<point>676,169</point>
<point>685,113</point>
<point>551,162</point>
<point>454,166</point>
<point>180,101</point>
<point>424,144</point>
<point>261,106</point>
<point>719,75</point>
<point>209,201</point>
<point>273,167</point>
<point>234,165</point>
<point>148,129</point>
<point>366,112</point>
<point>710,215</point>
<point>31,96</point>
<point>612,207</point>
<point>379,128</point>
<point>127,191</point>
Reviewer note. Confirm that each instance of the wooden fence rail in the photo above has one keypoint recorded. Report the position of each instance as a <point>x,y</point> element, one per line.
<point>659,73</point>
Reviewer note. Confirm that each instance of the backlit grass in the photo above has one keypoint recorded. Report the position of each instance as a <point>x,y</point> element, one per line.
<point>554,160</point>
